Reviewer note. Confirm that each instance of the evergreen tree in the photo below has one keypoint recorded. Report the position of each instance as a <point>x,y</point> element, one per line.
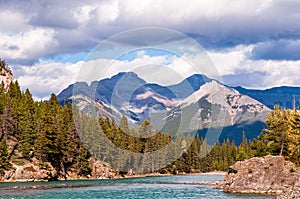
<point>4,157</point>
<point>124,125</point>
<point>82,164</point>
<point>294,136</point>
<point>281,136</point>
<point>276,134</point>
<point>26,124</point>
<point>8,122</point>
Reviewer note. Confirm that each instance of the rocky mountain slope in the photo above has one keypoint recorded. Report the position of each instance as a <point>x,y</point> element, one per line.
<point>197,99</point>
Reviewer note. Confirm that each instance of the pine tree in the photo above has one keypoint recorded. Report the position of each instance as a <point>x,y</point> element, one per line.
<point>15,90</point>
<point>276,134</point>
<point>8,122</point>
<point>26,124</point>
<point>4,157</point>
<point>3,98</point>
<point>294,136</point>
<point>124,125</point>
<point>48,129</point>
<point>82,165</point>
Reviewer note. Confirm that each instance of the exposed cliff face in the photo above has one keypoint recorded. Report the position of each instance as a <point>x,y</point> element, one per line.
<point>6,75</point>
<point>269,175</point>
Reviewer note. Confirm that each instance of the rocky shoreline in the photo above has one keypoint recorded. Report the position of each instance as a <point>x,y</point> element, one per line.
<point>33,172</point>
<point>263,175</point>
<point>260,175</point>
<point>37,171</point>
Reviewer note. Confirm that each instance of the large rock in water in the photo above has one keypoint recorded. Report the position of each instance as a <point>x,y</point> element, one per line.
<point>267,175</point>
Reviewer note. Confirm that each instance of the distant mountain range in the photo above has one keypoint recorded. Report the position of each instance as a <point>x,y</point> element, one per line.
<point>197,104</point>
<point>286,97</point>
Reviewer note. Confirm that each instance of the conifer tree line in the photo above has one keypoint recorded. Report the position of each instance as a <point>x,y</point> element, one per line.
<point>281,137</point>
<point>124,148</point>
<point>44,130</point>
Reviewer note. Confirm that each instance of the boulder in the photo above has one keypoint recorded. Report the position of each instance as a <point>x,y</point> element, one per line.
<point>100,170</point>
<point>264,175</point>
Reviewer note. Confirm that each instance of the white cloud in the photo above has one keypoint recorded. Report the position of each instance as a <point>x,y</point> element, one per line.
<point>105,68</point>
<point>235,62</point>
<point>107,12</point>
<point>44,78</point>
<point>277,73</point>
<point>12,22</point>
<point>79,25</point>
<point>230,60</point>
<point>28,45</point>
<point>47,77</point>
<point>84,14</point>
<point>34,30</point>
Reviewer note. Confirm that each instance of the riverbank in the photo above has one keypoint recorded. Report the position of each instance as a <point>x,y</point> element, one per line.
<point>156,174</point>
<point>178,186</point>
<point>21,185</point>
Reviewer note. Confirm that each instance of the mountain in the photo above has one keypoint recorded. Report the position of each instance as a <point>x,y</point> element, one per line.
<point>122,94</point>
<point>196,103</point>
<point>215,106</point>
<point>189,85</point>
<point>286,97</point>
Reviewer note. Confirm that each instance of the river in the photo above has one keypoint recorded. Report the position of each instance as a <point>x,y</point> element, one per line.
<point>143,188</point>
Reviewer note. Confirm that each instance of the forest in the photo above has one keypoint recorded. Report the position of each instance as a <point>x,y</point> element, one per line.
<point>58,133</point>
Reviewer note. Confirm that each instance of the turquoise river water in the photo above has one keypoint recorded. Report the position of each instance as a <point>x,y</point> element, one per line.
<point>146,188</point>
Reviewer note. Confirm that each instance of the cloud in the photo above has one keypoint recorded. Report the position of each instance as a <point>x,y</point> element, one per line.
<point>45,78</point>
<point>252,43</point>
<point>282,49</point>
<point>231,66</point>
<point>12,22</point>
<point>144,65</point>
<point>237,69</point>
<point>30,45</point>
<point>58,18</point>
<point>76,26</point>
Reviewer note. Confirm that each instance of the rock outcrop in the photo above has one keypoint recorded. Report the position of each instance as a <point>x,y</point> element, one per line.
<point>29,171</point>
<point>6,75</point>
<point>35,170</point>
<point>100,170</point>
<point>264,175</point>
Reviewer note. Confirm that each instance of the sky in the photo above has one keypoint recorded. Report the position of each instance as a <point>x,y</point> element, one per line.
<point>254,44</point>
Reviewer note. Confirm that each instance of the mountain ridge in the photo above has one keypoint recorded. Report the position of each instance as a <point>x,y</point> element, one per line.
<point>129,95</point>
<point>284,96</point>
